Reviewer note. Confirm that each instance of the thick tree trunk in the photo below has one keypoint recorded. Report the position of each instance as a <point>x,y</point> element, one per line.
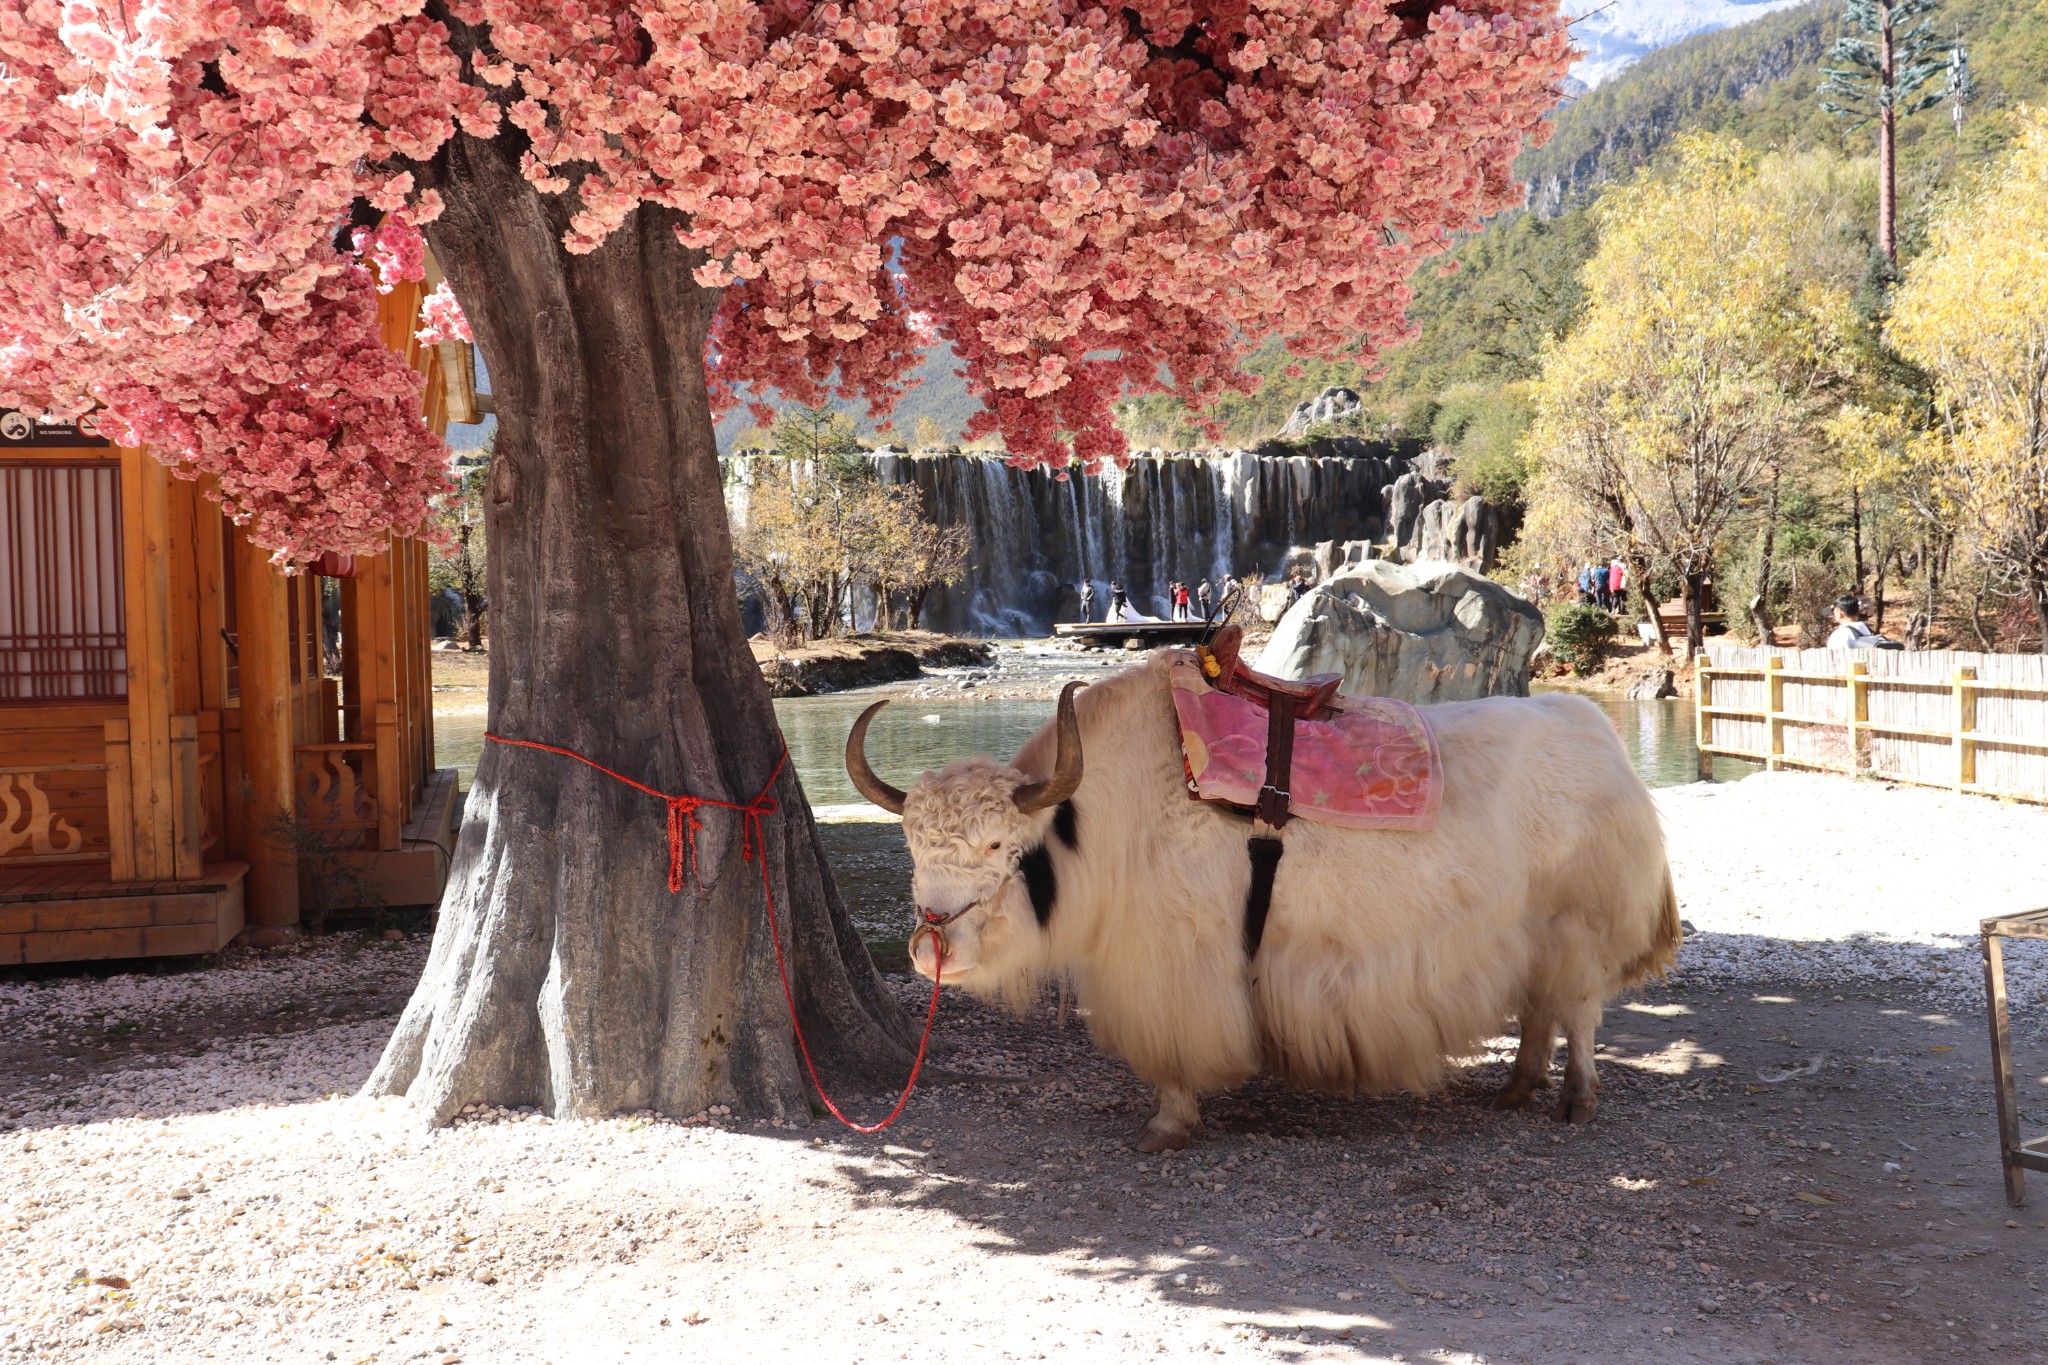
<point>1695,627</point>
<point>564,974</point>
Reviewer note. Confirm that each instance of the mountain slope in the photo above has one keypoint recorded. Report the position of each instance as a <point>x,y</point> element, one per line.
<point>1759,82</point>
<point>1616,34</point>
<point>1706,81</point>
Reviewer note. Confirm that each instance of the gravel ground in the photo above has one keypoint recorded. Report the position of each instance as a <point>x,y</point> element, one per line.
<point>1793,1163</point>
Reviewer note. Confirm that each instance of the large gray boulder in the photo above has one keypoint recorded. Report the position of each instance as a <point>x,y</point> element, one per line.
<point>1425,632</point>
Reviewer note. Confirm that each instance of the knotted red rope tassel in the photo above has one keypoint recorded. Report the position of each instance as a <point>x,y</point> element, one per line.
<point>683,825</point>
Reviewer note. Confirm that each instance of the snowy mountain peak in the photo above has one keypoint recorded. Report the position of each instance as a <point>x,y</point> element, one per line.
<point>1616,33</point>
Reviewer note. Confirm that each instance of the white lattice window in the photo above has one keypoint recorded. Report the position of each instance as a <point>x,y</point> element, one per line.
<point>63,625</point>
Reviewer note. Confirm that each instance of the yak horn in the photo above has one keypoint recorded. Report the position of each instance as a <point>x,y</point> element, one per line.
<point>1066,769</point>
<point>873,788</point>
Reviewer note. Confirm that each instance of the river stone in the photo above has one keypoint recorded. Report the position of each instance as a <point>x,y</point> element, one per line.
<point>1655,684</point>
<point>1425,632</point>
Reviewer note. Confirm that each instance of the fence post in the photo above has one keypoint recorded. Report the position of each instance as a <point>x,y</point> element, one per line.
<point>1702,722</point>
<point>1966,721</point>
<point>1774,703</point>
<point>1858,711</point>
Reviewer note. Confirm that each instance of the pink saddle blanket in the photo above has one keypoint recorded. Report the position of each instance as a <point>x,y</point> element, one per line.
<point>1373,764</point>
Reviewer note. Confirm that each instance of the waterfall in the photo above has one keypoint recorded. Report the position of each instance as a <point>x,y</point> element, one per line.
<point>1168,517</point>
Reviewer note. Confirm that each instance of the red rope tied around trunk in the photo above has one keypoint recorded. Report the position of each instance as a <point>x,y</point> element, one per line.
<point>683,825</point>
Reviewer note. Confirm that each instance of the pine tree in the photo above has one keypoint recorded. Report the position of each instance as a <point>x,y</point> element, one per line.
<point>1885,66</point>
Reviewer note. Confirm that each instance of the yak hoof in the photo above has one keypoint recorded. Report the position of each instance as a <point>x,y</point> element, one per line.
<point>1577,1108</point>
<point>1157,1137</point>
<point>1514,1095</point>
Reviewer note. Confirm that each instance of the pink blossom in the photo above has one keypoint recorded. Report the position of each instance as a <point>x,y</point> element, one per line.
<point>1082,199</point>
<point>441,318</point>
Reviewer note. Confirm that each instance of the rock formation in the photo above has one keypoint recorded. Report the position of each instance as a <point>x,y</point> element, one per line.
<point>1332,407</point>
<point>1426,632</point>
<point>1465,533</point>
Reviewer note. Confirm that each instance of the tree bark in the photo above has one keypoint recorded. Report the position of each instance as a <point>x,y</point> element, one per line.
<point>564,974</point>
<point>1759,606</point>
<point>1695,627</point>
<point>1855,522</point>
<point>472,590</point>
<point>2037,591</point>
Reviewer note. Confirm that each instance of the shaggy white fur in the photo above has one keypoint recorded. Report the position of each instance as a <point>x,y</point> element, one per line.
<point>1541,893</point>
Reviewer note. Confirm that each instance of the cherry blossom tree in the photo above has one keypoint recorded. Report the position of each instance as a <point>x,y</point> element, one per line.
<point>643,206</point>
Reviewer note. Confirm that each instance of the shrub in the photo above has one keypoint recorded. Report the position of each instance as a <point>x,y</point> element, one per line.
<point>1580,637</point>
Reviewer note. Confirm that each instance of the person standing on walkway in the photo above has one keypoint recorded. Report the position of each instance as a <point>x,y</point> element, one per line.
<point>1617,580</point>
<point>1087,602</point>
<point>1180,602</point>
<point>1118,600</point>
<point>1204,596</point>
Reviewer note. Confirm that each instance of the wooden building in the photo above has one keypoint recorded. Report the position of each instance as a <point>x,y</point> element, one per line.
<point>179,765</point>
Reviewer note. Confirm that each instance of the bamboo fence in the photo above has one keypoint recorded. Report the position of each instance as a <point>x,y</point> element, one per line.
<point>1934,718</point>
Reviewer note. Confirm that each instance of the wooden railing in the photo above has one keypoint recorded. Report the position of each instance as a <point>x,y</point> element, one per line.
<point>355,784</point>
<point>331,792</point>
<point>1967,722</point>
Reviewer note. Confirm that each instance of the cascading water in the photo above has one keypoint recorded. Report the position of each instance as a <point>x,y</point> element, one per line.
<point>1166,518</point>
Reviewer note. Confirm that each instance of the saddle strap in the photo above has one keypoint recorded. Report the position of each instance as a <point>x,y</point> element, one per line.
<point>1274,796</point>
<point>1265,853</point>
<point>1269,818</point>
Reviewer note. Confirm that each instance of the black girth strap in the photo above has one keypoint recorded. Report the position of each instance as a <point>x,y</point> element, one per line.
<point>1269,817</point>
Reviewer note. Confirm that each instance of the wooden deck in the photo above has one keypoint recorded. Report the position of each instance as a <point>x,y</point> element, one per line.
<point>73,911</point>
<point>414,872</point>
<point>1114,634</point>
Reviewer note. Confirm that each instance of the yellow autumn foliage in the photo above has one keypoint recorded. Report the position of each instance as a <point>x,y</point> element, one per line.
<point>1973,313</point>
<point>1707,343</point>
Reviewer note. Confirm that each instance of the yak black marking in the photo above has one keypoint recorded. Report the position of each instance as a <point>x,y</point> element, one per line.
<point>1066,824</point>
<point>1039,881</point>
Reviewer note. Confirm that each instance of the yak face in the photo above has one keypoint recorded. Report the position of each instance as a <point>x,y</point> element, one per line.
<point>977,863</point>
<point>983,881</point>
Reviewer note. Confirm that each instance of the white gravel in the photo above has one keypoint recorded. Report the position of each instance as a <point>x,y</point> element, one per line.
<point>227,1197</point>
<point>1811,879</point>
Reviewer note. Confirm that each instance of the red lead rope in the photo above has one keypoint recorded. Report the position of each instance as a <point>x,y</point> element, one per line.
<point>683,825</point>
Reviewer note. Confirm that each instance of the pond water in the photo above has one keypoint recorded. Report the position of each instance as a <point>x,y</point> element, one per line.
<point>916,734</point>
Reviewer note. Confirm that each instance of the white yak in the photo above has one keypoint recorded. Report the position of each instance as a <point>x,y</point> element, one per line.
<point>1542,892</point>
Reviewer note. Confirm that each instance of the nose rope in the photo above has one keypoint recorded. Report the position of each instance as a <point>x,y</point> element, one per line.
<point>683,825</point>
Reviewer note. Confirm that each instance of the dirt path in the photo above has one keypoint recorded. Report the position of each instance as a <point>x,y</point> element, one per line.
<point>1794,1163</point>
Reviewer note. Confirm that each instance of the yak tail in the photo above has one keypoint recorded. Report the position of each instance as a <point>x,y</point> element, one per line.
<point>1662,954</point>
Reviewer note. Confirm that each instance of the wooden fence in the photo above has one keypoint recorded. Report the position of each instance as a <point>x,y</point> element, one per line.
<point>1935,718</point>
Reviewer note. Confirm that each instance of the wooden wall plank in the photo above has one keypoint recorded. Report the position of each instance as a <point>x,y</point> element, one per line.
<point>146,531</point>
<point>266,733</point>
